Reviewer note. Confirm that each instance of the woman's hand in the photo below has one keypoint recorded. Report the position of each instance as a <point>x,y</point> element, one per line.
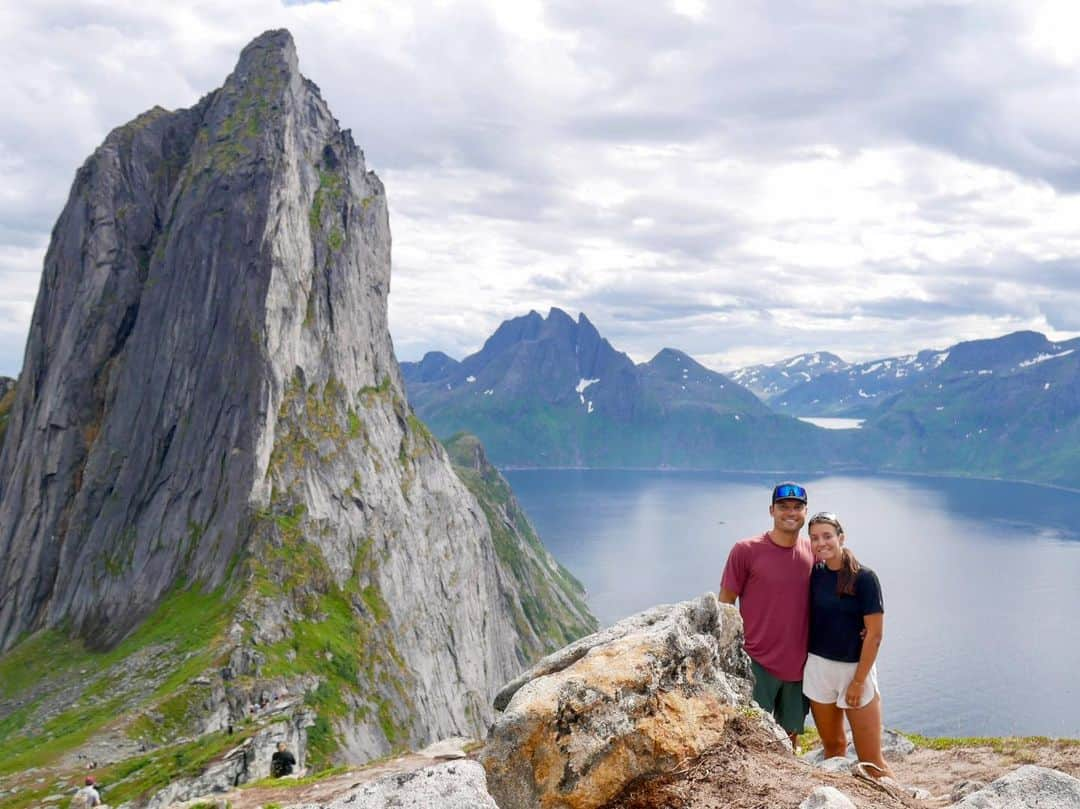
<point>853,697</point>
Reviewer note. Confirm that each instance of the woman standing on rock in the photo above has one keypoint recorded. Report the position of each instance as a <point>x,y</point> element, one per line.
<point>846,623</point>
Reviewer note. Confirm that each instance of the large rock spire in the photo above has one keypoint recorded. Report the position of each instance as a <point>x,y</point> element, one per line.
<point>210,396</point>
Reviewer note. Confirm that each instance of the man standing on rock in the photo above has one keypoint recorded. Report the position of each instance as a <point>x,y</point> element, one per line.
<point>770,576</point>
<point>282,762</point>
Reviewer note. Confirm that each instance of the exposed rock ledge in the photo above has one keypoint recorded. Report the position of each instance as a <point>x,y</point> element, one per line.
<point>655,711</point>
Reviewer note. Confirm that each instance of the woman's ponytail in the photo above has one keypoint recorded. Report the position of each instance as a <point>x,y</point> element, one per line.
<point>845,582</point>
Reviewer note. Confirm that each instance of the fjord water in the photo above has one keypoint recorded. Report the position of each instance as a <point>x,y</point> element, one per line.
<point>981,578</point>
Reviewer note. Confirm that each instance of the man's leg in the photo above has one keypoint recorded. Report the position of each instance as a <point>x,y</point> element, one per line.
<point>766,687</point>
<point>768,693</point>
<point>791,707</point>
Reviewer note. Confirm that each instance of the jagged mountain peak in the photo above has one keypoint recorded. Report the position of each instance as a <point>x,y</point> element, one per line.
<point>191,279</point>
<point>210,400</point>
<point>273,44</point>
<point>559,317</point>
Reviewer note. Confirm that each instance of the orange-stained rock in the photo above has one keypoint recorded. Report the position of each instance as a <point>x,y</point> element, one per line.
<point>633,700</point>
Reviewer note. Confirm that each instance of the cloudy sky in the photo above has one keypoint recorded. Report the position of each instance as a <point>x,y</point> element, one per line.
<point>743,181</point>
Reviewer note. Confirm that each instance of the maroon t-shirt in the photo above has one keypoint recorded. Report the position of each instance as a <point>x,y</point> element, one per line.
<point>773,586</point>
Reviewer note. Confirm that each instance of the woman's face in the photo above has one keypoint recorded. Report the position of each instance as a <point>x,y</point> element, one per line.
<point>825,542</point>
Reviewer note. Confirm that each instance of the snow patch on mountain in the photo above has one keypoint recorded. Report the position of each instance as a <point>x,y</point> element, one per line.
<point>581,386</point>
<point>1043,358</point>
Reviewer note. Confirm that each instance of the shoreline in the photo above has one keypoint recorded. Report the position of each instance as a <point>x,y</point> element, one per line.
<point>817,473</point>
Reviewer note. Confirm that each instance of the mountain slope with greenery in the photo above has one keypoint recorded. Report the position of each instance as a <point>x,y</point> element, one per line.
<point>552,392</point>
<point>1022,422</point>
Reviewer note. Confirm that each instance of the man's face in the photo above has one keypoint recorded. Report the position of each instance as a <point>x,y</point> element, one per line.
<point>788,515</point>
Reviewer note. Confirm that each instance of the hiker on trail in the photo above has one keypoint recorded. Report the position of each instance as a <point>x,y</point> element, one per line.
<point>770,576</point>
<point>88,796</point>
<point>847,617</point>
<point>282,762</point>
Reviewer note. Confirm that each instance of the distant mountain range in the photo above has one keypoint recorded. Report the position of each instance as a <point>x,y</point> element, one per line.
<point>1004,407</point>
<point>553,392</point>
<point>822,384</point>
<point>772,379</point>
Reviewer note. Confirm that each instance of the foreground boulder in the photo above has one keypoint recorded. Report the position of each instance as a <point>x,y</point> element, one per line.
<point>628,702</point>
<point>1028,787</point>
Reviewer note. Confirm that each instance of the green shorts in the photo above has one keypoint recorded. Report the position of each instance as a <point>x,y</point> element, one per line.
<point>782,698</point>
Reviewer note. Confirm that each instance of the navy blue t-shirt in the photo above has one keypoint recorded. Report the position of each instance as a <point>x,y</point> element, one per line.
<point>836,622</point>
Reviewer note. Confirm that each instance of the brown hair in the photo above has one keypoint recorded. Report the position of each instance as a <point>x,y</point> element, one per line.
<point>845,583</point>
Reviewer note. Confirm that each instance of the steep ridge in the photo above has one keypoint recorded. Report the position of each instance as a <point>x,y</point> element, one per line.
<point>552,391</point>
<point>546,601</point>
<point>210,407</point>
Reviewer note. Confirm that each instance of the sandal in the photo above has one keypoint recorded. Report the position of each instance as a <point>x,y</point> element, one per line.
<point>890,786</point>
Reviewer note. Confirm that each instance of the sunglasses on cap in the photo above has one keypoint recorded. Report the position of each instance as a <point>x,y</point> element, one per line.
<point>789,491</point>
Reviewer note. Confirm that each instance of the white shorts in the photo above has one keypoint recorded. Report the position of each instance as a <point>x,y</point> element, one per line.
<point>827,681</point>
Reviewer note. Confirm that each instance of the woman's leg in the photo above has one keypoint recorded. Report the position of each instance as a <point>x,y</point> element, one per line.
<point>830,727</point>
<point>866,733</point>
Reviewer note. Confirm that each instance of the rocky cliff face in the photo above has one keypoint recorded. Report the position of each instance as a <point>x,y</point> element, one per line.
<point>210,398</point>
<point>547,603</point>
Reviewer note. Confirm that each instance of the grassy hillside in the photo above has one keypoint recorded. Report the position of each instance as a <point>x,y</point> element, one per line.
<point>141,708</point>
<point>56,696</point>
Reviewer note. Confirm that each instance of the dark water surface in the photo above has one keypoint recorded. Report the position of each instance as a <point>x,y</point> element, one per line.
<point>981,578</point>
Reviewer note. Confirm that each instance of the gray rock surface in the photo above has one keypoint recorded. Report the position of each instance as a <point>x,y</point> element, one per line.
<point>965,788</point>
<point>827,798</point>
<point>452,748</point>
<point>894,746</point>
<point>1027,787</point>
<point>629,702</point>
<point>210,396</point>
<point>245,762</point>
<point>834,764</point>
<point>700,615</point>
<point>453,785</point>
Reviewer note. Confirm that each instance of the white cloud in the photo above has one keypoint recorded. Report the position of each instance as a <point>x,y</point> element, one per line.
<point>741,181</point>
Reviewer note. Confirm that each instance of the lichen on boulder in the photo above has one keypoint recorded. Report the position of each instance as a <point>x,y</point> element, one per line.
<point>628,702</point>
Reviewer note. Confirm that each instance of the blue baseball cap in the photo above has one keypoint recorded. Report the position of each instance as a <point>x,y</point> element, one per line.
<point>788,491</point>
